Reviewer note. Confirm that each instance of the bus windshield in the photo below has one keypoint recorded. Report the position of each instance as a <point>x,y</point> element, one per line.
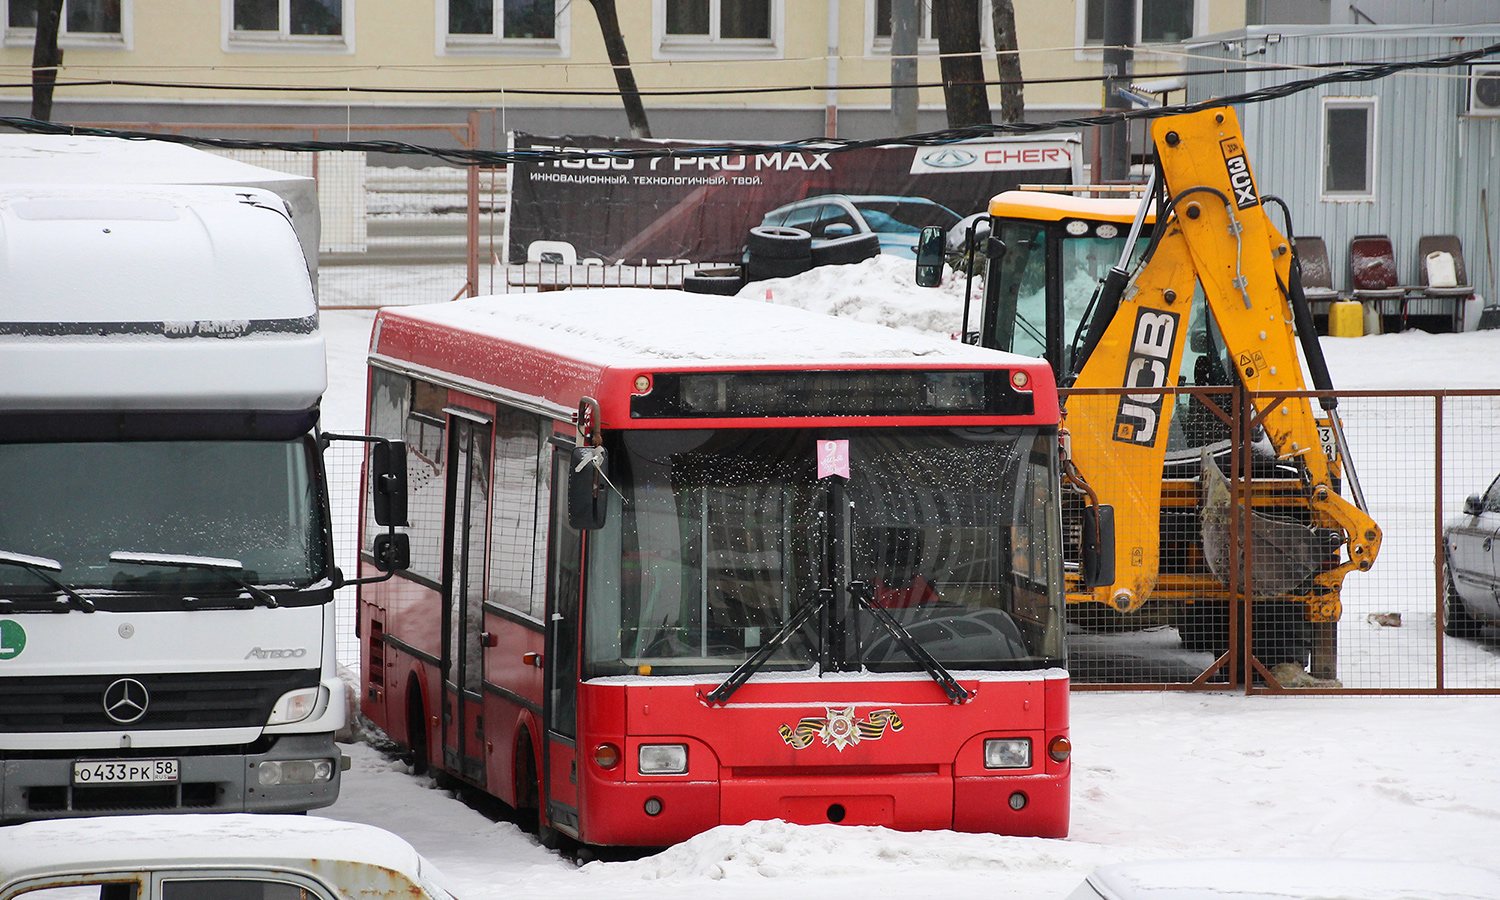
<point>716,537</point>
<point>76,503</point>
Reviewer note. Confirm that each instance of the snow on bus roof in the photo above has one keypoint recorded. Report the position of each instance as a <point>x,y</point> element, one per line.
<point>623,326</point>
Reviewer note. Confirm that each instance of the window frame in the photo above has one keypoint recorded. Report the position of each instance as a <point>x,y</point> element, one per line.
<point>1088,50</point>
<point>876,44</point>
<point>679,46</point>
<point>124,39</point>
<point>282,40</point>
<point>1372,131</point>
<point>495,44</point>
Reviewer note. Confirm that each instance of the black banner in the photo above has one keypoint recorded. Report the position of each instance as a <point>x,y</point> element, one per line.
<point>604,210</point>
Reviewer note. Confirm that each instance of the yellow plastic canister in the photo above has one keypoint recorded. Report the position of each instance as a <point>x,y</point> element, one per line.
<point>1346,318</point>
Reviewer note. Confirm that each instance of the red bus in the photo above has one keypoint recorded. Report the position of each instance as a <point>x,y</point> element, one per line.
<point>679,561</point>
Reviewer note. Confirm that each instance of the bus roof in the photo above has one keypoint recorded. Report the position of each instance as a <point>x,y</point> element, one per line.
<point>558,346</point>
<point>1049,207</point>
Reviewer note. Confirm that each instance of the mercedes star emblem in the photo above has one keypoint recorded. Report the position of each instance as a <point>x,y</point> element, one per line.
<point>125,700</point>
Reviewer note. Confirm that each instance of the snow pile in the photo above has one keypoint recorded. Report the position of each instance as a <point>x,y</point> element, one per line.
<point>880,291</point>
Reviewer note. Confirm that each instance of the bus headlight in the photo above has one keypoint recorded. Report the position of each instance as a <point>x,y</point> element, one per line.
<point>294,706</point>
<point>1007,753</point>
<point>294,771</point>
<point>662,759</point>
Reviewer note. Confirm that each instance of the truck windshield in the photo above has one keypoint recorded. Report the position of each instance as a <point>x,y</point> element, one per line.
<point>716,537</point>
<point>250,501</point>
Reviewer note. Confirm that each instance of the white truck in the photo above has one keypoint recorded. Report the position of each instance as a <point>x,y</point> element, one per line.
<point>166,551</point>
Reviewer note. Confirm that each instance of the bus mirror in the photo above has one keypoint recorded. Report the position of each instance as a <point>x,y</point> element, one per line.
<point>392,552</point>
<point>930,248</point>
<point>388,482</point>
<point>1099,547</point>
<point>587,490</point>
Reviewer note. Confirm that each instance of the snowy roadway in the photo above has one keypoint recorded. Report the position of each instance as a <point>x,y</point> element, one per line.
<point>1155,775</point>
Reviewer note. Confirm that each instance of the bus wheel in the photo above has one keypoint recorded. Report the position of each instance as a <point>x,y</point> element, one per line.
<point>528,795</point>
<point>416,731</point>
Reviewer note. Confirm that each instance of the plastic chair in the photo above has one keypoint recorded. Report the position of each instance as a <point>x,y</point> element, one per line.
<point>1450,296</point>
<point>1372,279</point>
<point>1317,278</point>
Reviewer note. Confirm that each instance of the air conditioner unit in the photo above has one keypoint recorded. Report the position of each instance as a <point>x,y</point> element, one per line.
<point>1484,90</point>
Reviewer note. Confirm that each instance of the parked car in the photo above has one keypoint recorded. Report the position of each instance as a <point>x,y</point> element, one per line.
<point>211,857</point>
<point>1287,879</point>
<point>1471,553</point>
<point>896,221</point>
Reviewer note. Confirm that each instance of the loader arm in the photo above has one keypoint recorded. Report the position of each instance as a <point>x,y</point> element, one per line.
<point>1243,262</point>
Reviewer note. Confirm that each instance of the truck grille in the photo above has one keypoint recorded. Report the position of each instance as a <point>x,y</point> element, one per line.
<point>176,700</point>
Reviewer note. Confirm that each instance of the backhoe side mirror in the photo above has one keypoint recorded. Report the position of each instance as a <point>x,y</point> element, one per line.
<point>1099,548</point>
<point>931,245</point>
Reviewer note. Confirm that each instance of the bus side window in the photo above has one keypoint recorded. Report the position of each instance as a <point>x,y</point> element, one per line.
<point>515,536</point>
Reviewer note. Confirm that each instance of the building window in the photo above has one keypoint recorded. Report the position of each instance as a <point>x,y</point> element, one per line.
<point>878,33</point>
<point>502,27</point>
<point>294,26</point>
<point>724,29</point>
<point>1156,21</point>
<point>84,23</point>
<point>1349,148</point>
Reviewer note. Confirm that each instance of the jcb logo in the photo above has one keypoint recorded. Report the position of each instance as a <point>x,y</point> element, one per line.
<point>1139,415</point>
<point>1239,173</point>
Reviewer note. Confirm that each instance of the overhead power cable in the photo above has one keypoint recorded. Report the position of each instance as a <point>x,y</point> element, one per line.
<point>471,157</point>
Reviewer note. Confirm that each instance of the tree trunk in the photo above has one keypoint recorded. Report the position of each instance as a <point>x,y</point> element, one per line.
<point>619,58</point>
<point>1012,103</point>
<point>45,58</point>
<point>957,25</point>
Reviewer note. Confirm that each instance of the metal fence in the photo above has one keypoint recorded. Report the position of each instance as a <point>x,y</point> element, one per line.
<point>1417,454</point>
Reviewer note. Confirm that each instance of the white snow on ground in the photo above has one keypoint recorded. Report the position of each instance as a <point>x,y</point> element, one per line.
<point>1168,775</point>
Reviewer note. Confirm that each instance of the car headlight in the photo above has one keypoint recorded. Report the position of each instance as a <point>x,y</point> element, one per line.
<point>294,706</point>
<point>1007,753</point>
<point>662,759</point>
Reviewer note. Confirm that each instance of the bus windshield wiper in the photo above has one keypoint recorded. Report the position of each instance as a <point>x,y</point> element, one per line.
<point>42,567</point>
<point>865,598</point>
<point>224,567</point>
<point>749,667</point>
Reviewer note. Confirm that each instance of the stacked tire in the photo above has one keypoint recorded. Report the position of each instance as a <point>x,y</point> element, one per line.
<point>842,251</point>
<point>724,281</point>
<point>777,252</point>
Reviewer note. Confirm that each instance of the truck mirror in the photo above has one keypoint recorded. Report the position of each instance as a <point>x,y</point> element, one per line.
<point>388,482</point>
<point>1099,547</point>
<point>931,245</point>
<point>392,552</point>
<point>587,491</point>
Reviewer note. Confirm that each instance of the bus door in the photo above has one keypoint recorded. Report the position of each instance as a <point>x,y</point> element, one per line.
<point>463,614</point>
<point>560,760</point>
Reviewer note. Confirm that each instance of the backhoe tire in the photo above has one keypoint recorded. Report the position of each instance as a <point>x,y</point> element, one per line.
<point>1457,621</point>
<point>1204,628</point>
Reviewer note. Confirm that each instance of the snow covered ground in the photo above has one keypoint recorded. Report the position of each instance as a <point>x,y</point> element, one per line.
<point>1155,775</point>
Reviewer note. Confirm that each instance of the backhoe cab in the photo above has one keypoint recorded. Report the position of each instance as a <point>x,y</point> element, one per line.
<point>1190,286</point>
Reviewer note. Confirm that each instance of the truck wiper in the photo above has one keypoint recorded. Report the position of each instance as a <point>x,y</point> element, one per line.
<point>225,567</point>
<point>749,667</point>
<point>865,598</point>
<point>41,567</point>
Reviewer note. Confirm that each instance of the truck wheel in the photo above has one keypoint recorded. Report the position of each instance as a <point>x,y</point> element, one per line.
<point>1457,622</point>
<point>842,251</point>
<point>773,242</point>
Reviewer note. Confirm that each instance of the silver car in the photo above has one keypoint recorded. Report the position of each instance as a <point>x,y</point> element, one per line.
<point>1471,551</point>
<point>897,221</point>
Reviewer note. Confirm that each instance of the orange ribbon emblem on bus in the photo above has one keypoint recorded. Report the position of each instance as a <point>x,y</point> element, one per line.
<point>840,728</point>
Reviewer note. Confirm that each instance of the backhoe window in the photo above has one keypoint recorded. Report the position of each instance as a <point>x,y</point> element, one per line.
<point>1019,320</point>
<point>1205,363</point>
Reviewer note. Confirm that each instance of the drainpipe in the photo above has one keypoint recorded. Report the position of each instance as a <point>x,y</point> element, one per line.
<point>904,65</point>
<point>831,115</point>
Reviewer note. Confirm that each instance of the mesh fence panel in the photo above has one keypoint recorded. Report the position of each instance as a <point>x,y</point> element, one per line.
<point>344,461</point>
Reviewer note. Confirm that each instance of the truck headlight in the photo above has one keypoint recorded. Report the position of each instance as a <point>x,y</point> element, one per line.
<point>294,771</point>
<point>662,759</point>
<point>294,706</point>
<point>1007,753</point>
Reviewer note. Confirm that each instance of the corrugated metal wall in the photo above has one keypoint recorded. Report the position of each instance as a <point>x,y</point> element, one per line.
<point>1433,163</point>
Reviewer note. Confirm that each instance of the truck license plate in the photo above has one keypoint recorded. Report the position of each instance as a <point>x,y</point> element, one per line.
<point>132,771</point>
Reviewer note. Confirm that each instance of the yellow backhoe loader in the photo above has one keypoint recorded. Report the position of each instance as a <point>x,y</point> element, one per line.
<point>1191,286</point>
